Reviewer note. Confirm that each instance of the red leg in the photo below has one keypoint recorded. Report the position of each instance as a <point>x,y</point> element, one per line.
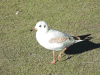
<point>59,56</point>
<point>53,62</point>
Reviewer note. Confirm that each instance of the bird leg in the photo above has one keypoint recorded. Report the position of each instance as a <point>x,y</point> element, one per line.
<point>53,62</point>
<point>59,56</point>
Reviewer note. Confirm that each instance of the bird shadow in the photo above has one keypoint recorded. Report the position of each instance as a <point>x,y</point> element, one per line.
<point>81,47</point>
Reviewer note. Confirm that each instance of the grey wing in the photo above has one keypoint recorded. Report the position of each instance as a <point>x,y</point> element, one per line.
<point>58,37</point>
<point>58,34</point>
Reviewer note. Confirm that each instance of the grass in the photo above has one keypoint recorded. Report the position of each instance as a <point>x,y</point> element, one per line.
<point>20,53</point>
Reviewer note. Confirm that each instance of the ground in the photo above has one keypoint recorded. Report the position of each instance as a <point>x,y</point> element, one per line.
<point>20,53</point>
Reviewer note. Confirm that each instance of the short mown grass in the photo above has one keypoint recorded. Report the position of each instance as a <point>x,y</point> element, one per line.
<point>20,53</point>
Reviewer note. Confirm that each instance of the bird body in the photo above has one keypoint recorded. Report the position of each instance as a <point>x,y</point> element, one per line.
<point>44,40</point>
<point>53,39</point>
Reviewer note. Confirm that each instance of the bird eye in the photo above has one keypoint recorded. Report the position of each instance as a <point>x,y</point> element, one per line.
<point>39,25</point>
<point>44,26</point>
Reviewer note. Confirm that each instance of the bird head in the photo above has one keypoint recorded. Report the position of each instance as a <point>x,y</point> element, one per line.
<point>41,26</point>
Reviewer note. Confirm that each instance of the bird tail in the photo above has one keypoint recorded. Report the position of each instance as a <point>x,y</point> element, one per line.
<point>81,38</point>
<point>76,41</point>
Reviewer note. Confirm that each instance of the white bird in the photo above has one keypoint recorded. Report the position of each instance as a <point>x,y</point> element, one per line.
<point>53,39</point>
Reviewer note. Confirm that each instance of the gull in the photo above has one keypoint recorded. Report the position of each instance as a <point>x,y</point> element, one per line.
<point>53,40</point>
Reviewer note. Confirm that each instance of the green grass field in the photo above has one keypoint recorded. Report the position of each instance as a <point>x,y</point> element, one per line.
<point>20,53</point>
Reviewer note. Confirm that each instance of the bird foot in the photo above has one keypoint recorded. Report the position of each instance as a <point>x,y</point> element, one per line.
<point>52,62</point>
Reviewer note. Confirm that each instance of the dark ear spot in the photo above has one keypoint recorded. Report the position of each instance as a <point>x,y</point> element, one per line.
<point>44,26</point>
<point>39,25</point>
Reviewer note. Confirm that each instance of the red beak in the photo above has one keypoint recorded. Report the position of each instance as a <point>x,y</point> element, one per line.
<point>33,29</point>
